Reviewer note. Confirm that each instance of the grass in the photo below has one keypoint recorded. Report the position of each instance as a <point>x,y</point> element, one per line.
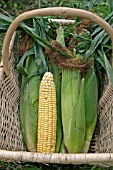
<point>36,166</point>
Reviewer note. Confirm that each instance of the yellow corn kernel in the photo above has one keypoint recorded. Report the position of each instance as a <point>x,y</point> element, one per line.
<point>47,116</point>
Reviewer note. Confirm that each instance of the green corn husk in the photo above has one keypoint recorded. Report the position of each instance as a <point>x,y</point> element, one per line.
<point>60,36</point>
<point>57,81</point>
<point>31,66</point>
<point>91,104</point>
<point>29,104</point>
<point>72,105</point>
<point>62,147</point>
<point>73,112</point>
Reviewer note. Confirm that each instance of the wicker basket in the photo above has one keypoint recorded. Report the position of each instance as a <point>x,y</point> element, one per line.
<point>11,141</point>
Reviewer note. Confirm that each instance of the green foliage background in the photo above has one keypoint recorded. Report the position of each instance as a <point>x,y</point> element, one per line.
<point>15,7</point>
<point>101,7</point>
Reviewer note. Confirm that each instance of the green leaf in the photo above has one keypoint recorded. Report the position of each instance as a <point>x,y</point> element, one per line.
<point>40,58</point>
<point>106,39</point>
<point>21,65</point>
<point>60,36</point>
<point>31,168</point>
<point>29,103</point>
<point>80,37</point>
<point>98,29</point>
<point>6,13</point>
<point>109,47</point>
<point>95,42</point>
<point>42,22</point>
<point>3,27</point>
<point>91,105</point>
<point>68,29</point>
<point>27,117</point>
<point>15,5</point>
<point>43,42</point>
<point>5,19</point>
<point>100,58</point>
<point>109,69</point>
<point>39,54</point>
<point>111,5</point>
<point>82,46</point>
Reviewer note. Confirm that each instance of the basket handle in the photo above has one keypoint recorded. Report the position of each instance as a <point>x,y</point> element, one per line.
<point>54,11</point>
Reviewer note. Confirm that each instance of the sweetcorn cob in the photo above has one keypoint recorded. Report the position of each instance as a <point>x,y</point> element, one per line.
<point>73,112</point>
<point>57,81</point>
<point>28,104</point>
<point>72,106</point>
<point>91,105</point>
<point>47,115</point>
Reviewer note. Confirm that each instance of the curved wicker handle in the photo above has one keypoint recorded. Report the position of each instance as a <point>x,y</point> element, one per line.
<point>55,11</point>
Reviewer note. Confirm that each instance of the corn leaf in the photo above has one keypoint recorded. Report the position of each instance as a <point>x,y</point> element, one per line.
<point>109,69</point>
<point>3,27</point>
<point>99,57</point>
<point>40,60</point>
<point>81,37</point>
<point>82,46</point>
<point>39,54</point>
<point>111,5</point>
<point>41,41</point>
<point>96,41</point>
<point>98,28</point>
<point>6,13</point>
<point>5,19</point>
<point>21,65</point>
<point>106,39</point>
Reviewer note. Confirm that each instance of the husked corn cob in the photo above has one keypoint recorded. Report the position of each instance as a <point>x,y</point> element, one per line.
<point>47,115</point>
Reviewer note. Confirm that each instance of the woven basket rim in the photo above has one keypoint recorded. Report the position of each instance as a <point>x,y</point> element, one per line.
<point>58,158</point>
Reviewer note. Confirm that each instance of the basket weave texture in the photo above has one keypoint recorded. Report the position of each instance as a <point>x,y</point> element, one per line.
<point>105,140</point>
<point>11,136</point>
<point>11,140</point>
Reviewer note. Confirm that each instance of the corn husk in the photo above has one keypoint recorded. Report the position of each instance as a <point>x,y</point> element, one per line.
<point>91,105</point>
<point>29,104</point>
<point>57,81</point>
<point>73,112</point>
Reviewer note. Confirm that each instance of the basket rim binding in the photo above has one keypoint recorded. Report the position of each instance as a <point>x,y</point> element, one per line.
<point>58,158</point>
<point>88,158</point>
